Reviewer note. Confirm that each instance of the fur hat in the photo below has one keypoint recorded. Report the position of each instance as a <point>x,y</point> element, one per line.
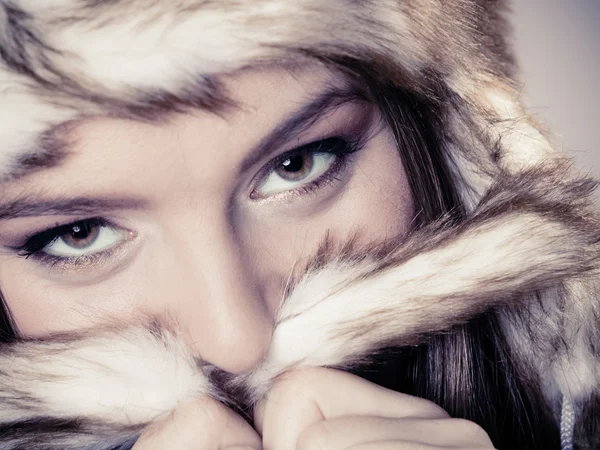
<point>530,230</point>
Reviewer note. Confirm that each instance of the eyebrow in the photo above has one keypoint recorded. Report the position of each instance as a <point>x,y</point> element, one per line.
<point>29,207</point>
<point>302,119</point>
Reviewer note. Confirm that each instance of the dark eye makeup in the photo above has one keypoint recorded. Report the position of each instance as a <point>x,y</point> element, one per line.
<point>82,230</point>
<point>296,164</point>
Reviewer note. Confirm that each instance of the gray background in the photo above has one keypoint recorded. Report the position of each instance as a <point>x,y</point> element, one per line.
<point>558,47</point>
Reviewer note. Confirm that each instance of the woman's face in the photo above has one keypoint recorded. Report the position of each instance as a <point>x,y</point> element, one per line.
<point>200,220</point>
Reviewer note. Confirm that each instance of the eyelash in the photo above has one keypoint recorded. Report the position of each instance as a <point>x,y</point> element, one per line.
<point>33,246</point>
<point>340,147</point>
<point>40,240</point>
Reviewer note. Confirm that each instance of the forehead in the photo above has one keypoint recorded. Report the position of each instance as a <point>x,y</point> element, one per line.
<point>258,101</point>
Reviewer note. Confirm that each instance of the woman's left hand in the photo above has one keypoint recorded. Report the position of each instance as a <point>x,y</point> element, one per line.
<point>323,409</point>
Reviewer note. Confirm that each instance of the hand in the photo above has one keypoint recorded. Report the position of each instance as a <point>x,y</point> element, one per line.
<point>203,425</point>
<point>322,409</point>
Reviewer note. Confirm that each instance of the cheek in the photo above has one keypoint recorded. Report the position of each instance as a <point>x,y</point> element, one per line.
<point>40,307</point>
<point>378,204</point>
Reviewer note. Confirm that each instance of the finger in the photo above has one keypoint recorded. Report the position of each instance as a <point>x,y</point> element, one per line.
<point>202,425</point>
<point>344,394</point>
<point>349,431</point>
<point>304,397</point>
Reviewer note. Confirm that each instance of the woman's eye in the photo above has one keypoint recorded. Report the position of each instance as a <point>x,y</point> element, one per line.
<point>303,167</point>
<point>84,238</point>
<point>77,239</point>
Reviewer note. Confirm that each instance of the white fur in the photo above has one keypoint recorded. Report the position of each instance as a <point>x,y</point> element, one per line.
<point>129,377</point>
<point>523,144</point>
<point>24,117</point>
<point>161,48</point>
<point>312,322</point>
<point>576,370</point>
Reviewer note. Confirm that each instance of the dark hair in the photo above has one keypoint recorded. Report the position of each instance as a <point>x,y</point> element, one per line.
<point>7,328</point>
<point>469,369</point>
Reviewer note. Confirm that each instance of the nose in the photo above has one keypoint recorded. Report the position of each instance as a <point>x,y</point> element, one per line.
<point>220,304</point>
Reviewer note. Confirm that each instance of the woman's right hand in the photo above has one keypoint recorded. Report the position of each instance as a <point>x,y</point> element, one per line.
<point>203,425</point>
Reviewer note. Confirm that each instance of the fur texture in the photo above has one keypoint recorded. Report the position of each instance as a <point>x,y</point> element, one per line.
<point>529,246</point>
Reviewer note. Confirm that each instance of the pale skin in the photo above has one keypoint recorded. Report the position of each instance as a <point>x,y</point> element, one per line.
<point>200,223</point>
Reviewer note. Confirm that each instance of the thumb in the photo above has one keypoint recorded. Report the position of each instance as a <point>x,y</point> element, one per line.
<point>305,397</point>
